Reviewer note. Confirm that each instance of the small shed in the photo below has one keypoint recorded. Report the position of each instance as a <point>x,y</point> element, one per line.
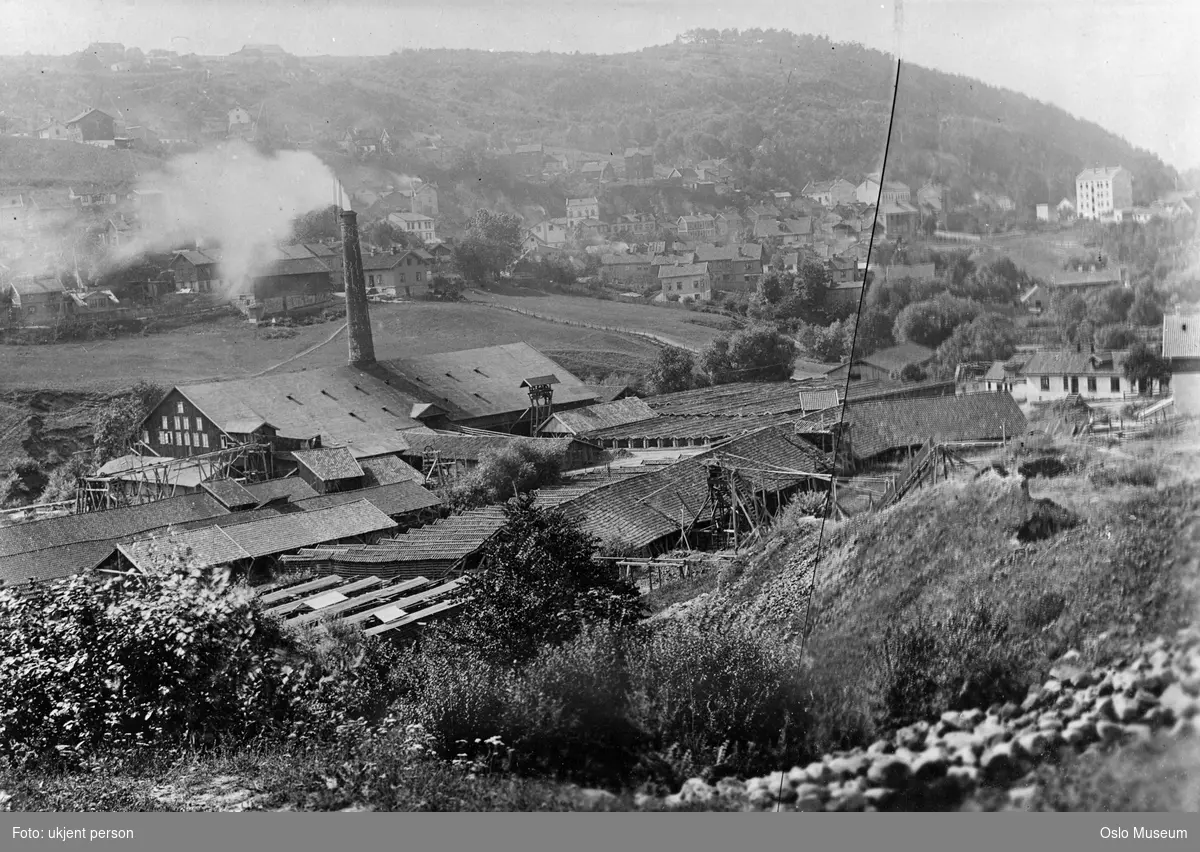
<point>329,469</point>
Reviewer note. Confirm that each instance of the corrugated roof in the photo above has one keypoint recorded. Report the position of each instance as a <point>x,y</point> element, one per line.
<point>581,421</point>
<point>483,382</point>
<point>329,463</point>
<point>1065,362</point>
<point>284,533</point>
<point>1181,336</point>
<point>344,405</point>
<point>397,498</point>
<point>876,427</point>
<point>203,548</point>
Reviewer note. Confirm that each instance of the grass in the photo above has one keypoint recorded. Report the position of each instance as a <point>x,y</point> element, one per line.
<point>229,348</point>
<point>681,327</point>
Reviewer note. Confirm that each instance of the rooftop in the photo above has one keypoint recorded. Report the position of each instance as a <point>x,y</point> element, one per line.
<point>1181,336</point>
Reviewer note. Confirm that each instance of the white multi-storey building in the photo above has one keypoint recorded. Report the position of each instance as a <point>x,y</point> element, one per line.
<point>1102,190</point>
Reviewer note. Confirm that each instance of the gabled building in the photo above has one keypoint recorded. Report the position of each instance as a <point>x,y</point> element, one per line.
<point>417,224</point>
<point>686,281</point>
<point>1056,374</point>
<point>38,301</point>
<point>93,127</point>
<point>397,273</point>
<point>54,130</point>
<point>639,163</point>
<point>598,171</point>
<point>1181,349</point>
<point>696,228</point>
<point>579,209</point>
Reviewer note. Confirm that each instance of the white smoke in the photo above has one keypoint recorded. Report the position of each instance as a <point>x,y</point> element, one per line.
<point>235,197</point>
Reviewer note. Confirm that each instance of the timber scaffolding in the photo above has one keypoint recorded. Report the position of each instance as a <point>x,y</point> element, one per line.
<point>159,477</point>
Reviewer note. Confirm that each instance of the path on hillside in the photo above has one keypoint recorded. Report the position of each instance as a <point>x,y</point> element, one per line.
<point>299,355</point>
<point>656,338</point>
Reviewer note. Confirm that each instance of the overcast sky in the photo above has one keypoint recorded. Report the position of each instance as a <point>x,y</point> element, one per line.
<point>1125,64</point>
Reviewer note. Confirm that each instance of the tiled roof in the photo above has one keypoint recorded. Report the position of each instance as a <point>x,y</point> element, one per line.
<point>682,270</point>
<point>344,405</point>
<point>999,370</point>
<point>230,494</point>
<point>481,382</point>
<point>1181,336</point>
<point>707,427</point>
<point>202,548</point>
<point>1064,362</point>
<point>293,266</point>
<point>292,487</point>
<point>387,470</point>
<point>284,533</point>
<point>329,463</point>
<point>52,563</point>
<point>802,369</point>
<point>737,398</point>
<point>643,509</point>
<point>896,357</point>
<point>580,421</point>
<point>107,525</point>
<point>398,498</point>
<point>876,427</point>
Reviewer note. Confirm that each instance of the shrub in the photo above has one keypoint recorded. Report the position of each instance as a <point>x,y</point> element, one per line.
<point>1134,473</point>
<point>926,665</point>
<point>278,332</point>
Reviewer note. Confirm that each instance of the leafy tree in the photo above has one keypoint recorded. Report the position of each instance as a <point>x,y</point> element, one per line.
<point>445,288</point>
<point>989,337</point>
<point>491,243</point>
<point>874,331</point>
<point>912,373</point>
<point>932,321</point>
<point>540,585</point>
<point>1110,305</point>
<point>673,370</point>
<point>386,235</point>
<point>518,468</point>
<point>1143,364</point>
<point>317,225</point>
<point>773,288</point>
<point>1068,310</point>
<point>119,422</point>
<point>1115,337</point>
<point>1146,309</point>
<point>758,353</point>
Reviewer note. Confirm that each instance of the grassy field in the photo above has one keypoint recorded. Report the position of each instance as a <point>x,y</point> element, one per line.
<point>229,348</point>
<point>1041,255</point>
<point>678,326</point>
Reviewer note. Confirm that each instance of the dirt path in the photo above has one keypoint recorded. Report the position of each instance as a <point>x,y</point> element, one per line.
<point>301,354</point>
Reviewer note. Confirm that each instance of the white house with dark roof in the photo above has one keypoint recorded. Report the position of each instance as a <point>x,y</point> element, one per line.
<point>1181,348</point>
<point>687,281</point>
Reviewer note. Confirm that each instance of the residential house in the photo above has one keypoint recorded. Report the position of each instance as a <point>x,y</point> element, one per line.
<point>1055,374</point>
<point>728,223</point>
<point>529,159</point>
<point>1008,376</point>
<point>789,233</point>
<point>366,143</point>
<point>414,223</point>
<point>598,171</point>
<point>579,209</point>
<point>551,232</point>
<point>196,270</point>
<point>782,199</point>
<point>38,301</point>
<point>883,365</point>
<point>627,269</point>
<point>1005,204</point>
<point>1181,349</point>
<point>1102,190</point>
<point>733,269</point>
<point>701,228</point>
<point>715,171</point>
<point>933,197</point>
<point>687,281</point>
<point>422,199</point>
<point>639,163</point>
<point>241,123</point>
<point>1042,212</point>
<point>93,196</point>
<point>898,218</point>
<point>397,273</point>
<point>54,130</point>
<point>761,211</point>
<point>93,127</point>
<point>830,193</point>
<point>867,192</point>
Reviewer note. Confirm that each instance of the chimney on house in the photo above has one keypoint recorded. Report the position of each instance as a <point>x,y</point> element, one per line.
<point>358,318</point>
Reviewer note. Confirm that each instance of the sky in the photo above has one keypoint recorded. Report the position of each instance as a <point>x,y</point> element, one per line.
<point>1124,64</point>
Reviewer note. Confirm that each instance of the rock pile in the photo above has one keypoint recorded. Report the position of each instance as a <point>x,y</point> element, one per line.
<point>938,765</point>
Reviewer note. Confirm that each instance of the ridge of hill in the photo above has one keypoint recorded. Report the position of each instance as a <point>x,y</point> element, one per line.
<point>784,108</point>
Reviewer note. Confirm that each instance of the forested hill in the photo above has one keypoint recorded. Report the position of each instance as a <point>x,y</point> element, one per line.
<point>785,108</point>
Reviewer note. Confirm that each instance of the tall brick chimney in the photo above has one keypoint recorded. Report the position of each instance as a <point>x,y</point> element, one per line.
<point>358,318</point>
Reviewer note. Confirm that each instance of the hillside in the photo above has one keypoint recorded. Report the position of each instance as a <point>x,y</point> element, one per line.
<point>784,108</point>
<point>38,163</point>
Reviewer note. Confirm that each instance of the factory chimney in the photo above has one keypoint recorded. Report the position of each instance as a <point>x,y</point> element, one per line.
<point>358,319</point>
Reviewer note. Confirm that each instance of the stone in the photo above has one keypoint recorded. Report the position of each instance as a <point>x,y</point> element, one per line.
<point>797,775</point>
<point>1050,722</point>
<point>731,788</point>
<point>1066,673</point>
<point>960,740</point>
<point>1008,710</point>
<point>1109,732</point>
<point>964,777</point>
<point>673,801</point>
<point>1031,746</point>
<point>760,798</point>
<point>990,732</point>
<point>1080,733</point>
<point>1177,702</point>
<point>911,736</point>
<point>818,772</point>
<point>697,790</point>
<point>999,764</point>
<point>1106,708</point>
<point>1184,729</point>
<point>644,801</point>
<point>929,765</point>
<point>907,755</point>
<point>879,747</point>
<point>817,790</point>
<point>1124,681</point>
<point>1032,700</point>
<point>879,797</point>
<point>1137,733</point>
<point>849,767</point>
<point>594,798</point>
<point>847,801</point>
<point>1020,798</point>
<point>888,771</point>
<point>1126,708</point>
<point>808,802</point>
